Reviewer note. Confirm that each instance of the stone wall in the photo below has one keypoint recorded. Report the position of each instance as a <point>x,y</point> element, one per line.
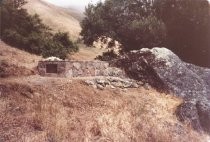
<point>79,69</point>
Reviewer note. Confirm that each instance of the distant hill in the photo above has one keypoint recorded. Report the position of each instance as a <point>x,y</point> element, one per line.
<point>58,18</point>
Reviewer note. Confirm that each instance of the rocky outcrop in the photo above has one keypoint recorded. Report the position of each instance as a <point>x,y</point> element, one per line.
<point>114,82</point>
<point>165,71</point>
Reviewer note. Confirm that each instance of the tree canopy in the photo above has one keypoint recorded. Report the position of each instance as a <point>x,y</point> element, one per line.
<point>180,25</point>
<point>188,28</point>
<point>131,22</point>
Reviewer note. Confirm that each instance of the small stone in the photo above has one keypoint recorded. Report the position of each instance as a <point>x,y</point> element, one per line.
<point>140,83</point>
<point>77,65</point>
<point>100,81</point>
<point>100,87</point>
<point>112,87</point>
<point>37,94</point>
<point>147,86</point>
<point>94,86</point>
<point>89,82</point>
<point>135,85</point>
<point>117,84</point>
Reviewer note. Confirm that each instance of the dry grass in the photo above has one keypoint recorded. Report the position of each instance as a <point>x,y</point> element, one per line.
<point>47,109</point>
<point>18,57</point>
<point>39,109</point>
<point>59,19</point>
<point>67,20</point>
<point>87,53</point>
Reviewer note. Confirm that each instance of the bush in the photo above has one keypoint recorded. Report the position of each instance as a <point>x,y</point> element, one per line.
<point>107,56</point>
<point>52,48</point>
<point>64,39</point>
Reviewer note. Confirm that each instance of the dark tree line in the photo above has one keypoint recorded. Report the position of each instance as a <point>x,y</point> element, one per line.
<point>188,28</point>
<point>180,25</point>
<point>27,32</point>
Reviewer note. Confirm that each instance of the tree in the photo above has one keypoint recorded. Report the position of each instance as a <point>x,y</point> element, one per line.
<point>188,28</point>
<point>131,22</point>
<point>64,39</point>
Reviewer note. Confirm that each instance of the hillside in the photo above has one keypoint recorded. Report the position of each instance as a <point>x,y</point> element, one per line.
<point>51,109</point>
<point>18,57</point>
<point>56,17</point>
<point>43,109</point>
<point>149,95</point>
<point>64,19</point>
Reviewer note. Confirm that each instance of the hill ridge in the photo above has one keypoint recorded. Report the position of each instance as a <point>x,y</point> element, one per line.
<point>57,18</point>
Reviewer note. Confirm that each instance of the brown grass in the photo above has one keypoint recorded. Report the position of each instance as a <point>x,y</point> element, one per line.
<point>59,19</point>
<point>39,109</point>
<point>18,57</point>
<point>87,53</point>
<point>47,109</point>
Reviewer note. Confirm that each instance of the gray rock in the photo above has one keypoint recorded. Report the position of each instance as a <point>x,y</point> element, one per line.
<point>100,81</point>
<point>187,112</point>
<point>134,85</point>
<point>112,87</point>
<point>89,82</point>
<point>113,82</point>
<point>165,71</point>
<point>203,108</point>
<point>100,87</point>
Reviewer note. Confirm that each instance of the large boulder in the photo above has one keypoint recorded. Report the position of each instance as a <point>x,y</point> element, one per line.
<point>167,72</point>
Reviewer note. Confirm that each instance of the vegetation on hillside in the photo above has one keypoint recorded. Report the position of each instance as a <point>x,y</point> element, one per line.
<point>57,110</point>
<point>134,25</point>
<point>27,32</point>
<point>182,26</point>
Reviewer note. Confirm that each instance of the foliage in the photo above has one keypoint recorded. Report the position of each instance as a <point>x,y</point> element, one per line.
<point>188,28</point>
<point>27,32</point>
<point>107,56</point>
<point>130,22</point>
<point>180,25</point>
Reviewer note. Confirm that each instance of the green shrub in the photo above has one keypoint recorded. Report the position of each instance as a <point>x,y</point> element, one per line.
<point>107,56</point>
<point>52,48</point>
<point>130,22</point>
<point>64,39</point>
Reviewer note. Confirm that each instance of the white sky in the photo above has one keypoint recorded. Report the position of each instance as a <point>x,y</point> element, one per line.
<point>74,3</point>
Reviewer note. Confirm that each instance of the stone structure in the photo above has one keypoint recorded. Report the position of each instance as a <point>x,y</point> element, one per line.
<point>77,69</point>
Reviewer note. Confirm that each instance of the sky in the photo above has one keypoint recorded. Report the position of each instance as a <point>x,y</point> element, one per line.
<point>72,3</point>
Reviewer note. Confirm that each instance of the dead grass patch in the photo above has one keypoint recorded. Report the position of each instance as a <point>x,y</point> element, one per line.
<point>63,111</point>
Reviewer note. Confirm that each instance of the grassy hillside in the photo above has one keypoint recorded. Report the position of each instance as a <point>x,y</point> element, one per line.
<point>52,109</point>
<point>56,17</point>
<point>18,57</point>
<point>42,109</point>
<point>64,19</point>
